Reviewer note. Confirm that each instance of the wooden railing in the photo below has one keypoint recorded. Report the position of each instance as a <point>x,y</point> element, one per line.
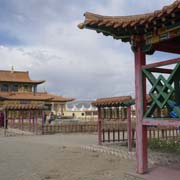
<point>120,134</point>
<point>70,127</point>
<point>112,131</point>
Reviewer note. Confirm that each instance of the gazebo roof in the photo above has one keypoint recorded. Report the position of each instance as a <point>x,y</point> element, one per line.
<point>56,98</point>
<point>114,101</point>
<point>129,28</point>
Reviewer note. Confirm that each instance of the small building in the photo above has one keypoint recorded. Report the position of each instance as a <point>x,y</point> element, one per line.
<point>117,109</point>
<point>82,110</point>
<point>16,88</point>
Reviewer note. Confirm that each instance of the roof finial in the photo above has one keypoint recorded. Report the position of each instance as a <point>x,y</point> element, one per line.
<point>12,69</point>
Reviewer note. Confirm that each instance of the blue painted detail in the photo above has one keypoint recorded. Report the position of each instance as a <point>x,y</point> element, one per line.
<point>173,114</point>
<point>179,129</point>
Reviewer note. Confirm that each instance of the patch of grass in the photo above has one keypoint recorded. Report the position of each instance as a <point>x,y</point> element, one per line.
<point>47,177</point>
<point>169,146</point>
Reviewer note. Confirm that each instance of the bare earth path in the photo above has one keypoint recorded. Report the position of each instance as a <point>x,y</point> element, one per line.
<point>57,157</point>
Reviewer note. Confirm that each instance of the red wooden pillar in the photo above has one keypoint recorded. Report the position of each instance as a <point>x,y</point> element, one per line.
<point>33,124</point>
<point>19,122</point>
<point>29,120</point>
<point>9,118</point>
<point>129,129</point>
<point>13,119</point>
<point>99,126</point>
<point>141,131</point>
<point>43,121</point>
<point>22,121</point>
<point>36,121</point>
<point>5,121</point>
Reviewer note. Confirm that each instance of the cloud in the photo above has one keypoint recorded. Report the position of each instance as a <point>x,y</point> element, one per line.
<point>42,37</point>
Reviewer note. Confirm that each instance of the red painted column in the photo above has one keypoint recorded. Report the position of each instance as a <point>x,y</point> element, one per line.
<point>141,131</point>
<point>33,123</point>
<point>22,121</point>
<point>19,123</point>
<point>5,121</point>
<point>99,126</point>
<point>36,121</point>
<point>43,118</point>
<point>14,118</point>
<point>129,129</point>
<point>29,115</point>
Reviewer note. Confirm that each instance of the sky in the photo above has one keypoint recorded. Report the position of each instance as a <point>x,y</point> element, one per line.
<point>41,36</point>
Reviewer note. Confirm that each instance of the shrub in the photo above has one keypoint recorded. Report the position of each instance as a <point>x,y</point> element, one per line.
<point>169,145</point>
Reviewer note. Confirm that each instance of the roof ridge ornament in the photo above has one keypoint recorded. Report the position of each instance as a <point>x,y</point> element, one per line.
<point>12,69</point>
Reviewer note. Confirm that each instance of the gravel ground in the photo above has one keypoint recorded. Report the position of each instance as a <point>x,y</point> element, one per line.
<point>58,157</point>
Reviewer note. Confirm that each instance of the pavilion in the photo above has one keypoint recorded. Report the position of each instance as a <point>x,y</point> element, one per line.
<point>147,33</point>
<point>114,108</point>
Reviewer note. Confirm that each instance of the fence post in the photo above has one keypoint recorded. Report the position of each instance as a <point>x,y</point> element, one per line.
<point>43,121</point>
<point>5,122</point>
<point>129,129</point>
<point>99,126</point>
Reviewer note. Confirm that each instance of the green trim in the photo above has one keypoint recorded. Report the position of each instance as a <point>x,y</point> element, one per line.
<point>162,90</point>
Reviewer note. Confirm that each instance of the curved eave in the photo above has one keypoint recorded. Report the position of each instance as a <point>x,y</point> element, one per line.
<point>63,100</point>
<point>25,82</point>
<point>37,82</point>
<point>114,101</point>
<point>28,99</point>
<point>114,104</point>
<point>123,27</point>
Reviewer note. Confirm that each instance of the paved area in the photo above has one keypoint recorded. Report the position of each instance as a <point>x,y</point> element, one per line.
<point>159,173</point>
<point>76,156</point>
<point>58,157</point>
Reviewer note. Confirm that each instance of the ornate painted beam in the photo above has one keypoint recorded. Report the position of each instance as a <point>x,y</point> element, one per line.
<point>170,47</point>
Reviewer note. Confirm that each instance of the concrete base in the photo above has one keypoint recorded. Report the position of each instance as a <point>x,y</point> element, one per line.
<point>160,173</point>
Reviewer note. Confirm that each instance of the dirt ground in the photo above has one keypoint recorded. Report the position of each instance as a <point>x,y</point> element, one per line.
<point>57,157</point>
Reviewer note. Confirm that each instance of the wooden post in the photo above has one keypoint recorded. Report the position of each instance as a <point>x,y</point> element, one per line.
<point>22,121</point>
<point>43,121</point>
<point>19,120</point>
<point>33,124</point>
<point>129,129</point>
<point>36,121</point>
<point>9,116</point>
<point>30,121</point>
<point>141,131</point>
<point>99,126</point>
<point>5,122</point>
<point>14,118</point>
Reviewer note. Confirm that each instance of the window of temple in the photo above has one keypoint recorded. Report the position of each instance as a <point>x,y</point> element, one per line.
<point>25,102</point>
<point>26,88</point>
<point>5,88</point>
<point>15,87</point>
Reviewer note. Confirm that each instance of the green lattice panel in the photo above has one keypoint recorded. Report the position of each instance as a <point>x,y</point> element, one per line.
<point>161,91</point>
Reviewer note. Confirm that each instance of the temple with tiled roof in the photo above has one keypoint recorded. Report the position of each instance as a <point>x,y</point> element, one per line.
<point>17,89</point>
